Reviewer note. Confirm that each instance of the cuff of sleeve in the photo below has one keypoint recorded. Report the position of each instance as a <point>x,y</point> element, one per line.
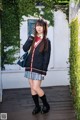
<point>31,38</point>
<point>44,72</point>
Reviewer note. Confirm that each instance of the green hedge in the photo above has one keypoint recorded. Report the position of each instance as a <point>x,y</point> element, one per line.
<point>74,59</point>
<point>10,40</point>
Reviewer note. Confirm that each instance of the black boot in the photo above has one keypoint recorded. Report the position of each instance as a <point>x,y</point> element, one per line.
<point>46,106</point>
<point>37,108</point>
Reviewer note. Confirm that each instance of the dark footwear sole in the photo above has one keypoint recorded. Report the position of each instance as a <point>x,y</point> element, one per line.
<point>36,112</point>
<point>44,112</point>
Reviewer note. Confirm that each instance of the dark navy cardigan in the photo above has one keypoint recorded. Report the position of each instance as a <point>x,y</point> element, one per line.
<point>40,59</point>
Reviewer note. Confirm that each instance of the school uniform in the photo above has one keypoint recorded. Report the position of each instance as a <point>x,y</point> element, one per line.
<point>37,62</point>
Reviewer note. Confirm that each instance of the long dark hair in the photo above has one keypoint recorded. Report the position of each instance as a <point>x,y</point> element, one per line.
<point>44,45</point>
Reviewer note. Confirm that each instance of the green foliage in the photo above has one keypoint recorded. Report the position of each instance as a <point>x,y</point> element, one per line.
<point>0,4</point>
<point>10,32</point>
<point>74,59</point>
<point>12,12</point>
<point>28,8</point>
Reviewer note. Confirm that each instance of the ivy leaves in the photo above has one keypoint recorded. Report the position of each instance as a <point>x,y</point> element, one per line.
<point>27,7</point>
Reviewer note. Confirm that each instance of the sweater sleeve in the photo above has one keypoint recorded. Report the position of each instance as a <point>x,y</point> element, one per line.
<point>47,57</point>
<point>28,44</point>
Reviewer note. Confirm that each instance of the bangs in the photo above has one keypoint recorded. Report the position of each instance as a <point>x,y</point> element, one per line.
<point>40,23</point>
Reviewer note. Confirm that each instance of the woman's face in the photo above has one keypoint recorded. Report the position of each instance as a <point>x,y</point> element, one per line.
<point>39,29</point>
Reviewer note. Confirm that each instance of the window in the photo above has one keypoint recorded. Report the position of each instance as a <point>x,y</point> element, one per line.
<point>31,24</point>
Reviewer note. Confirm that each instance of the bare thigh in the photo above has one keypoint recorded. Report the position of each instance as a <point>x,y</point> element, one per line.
<point>37,83</point>
<point>31,82</point>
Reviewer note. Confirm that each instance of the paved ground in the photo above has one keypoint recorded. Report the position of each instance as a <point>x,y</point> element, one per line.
<point>18,104</point>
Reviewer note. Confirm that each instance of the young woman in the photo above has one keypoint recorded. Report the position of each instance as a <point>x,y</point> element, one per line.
<point>37,64</point>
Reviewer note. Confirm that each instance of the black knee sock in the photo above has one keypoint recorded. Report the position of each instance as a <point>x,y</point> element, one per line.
<point>44,100</point>
<point>36,100</point>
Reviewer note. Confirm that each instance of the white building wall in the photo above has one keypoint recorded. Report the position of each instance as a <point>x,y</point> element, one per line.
<point>16,79</point>
<point>58,67</point>
<point>61,40</point>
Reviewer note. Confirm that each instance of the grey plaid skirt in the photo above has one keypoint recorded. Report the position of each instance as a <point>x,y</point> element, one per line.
<point>33,75</point>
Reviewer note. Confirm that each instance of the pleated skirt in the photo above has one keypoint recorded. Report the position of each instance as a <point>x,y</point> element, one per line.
<point>33,75</point>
